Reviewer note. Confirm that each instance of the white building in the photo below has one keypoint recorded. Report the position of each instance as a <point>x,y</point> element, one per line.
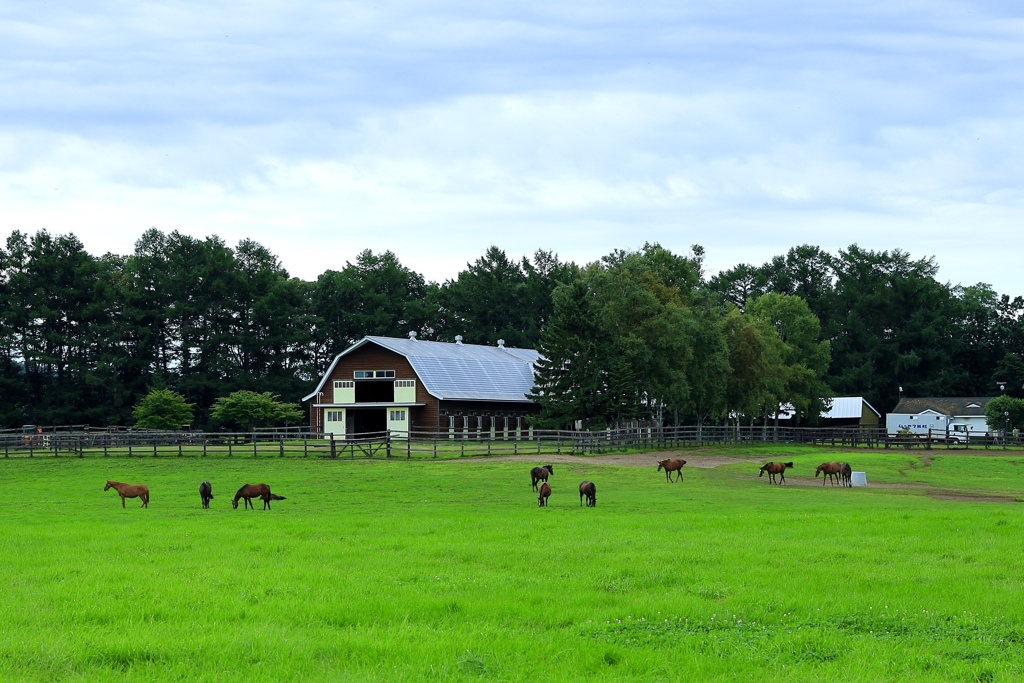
<point>952,418</point>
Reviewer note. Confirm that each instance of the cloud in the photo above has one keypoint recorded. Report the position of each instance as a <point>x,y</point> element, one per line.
<point>435,130</point>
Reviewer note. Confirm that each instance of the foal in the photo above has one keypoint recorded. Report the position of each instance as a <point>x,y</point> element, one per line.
<point>832,470</point>
<point>250,491</point>
<point>545,492</point>
<point>541,474</point>
<point>774,468</point>
<point>672,465</point>
<point>588,491</point>
<point>206,493</point>
<point>130,491</point>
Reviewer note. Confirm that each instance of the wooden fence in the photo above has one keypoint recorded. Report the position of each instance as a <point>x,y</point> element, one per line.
<point>455,443</point>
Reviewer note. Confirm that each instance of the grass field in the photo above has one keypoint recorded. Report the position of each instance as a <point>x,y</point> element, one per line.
<point>397,570</point>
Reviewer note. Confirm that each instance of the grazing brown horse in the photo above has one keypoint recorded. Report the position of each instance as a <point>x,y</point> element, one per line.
<point>831,470</point>
<point>206,493</point>
<point>541,474</point>
<point>588,491</point>
<point>672,465</point>
<point>774,468</point>
<point>545,492</point>
<point>130,491</point>
<point>846,474</point>
<point>250,491</point>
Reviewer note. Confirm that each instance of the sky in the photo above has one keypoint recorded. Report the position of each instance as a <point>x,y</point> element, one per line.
<point>436,129</point>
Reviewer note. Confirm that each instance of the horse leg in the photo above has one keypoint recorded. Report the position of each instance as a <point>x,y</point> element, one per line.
<point>122,502</point>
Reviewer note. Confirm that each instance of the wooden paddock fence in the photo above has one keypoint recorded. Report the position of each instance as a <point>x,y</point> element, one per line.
<point>420,444</point>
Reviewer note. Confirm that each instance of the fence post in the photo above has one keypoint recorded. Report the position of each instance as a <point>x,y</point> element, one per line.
<point>282,447</point>
<point>254,444</point>
<point>387,444</point>
<point>334,453</point>
<point>435,447</point>
<point>205,441</point>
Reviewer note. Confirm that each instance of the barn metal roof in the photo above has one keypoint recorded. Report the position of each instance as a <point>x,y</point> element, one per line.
<point>459,371</point>
<point>846,407</point>
<point>843,408</point>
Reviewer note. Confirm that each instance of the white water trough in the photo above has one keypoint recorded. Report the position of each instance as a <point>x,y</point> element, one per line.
<point>858,479</point>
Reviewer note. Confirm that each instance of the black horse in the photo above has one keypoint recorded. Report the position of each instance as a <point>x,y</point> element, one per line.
<point>588,491</point>
<point>206,493</point>
<point>541,474</point>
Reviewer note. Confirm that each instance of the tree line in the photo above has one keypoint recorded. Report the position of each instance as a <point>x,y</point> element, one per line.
<point>638,334</point>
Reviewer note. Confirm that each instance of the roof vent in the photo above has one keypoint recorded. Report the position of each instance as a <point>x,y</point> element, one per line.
<point>412,335</point>
<point>458,339</point>
<point>501,343</point>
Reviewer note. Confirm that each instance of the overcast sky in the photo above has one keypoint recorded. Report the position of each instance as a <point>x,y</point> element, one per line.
<point>436,129</point>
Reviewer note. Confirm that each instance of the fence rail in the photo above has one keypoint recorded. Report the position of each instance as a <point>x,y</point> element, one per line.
<point>423,444</point>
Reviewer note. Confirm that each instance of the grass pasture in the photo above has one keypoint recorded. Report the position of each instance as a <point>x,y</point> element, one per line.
<point>397,570</point>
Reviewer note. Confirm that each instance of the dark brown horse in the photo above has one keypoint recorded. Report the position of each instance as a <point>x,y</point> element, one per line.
<point>832,470</point>
<point>588,491</point>
<point>250,491</point>
<point>545,493</point>
<point>206,493</point>
<point>774,468</point>
<point>541,474</point>
<point>846,474</point>
<point>130,491</point>
<point>672,465</point>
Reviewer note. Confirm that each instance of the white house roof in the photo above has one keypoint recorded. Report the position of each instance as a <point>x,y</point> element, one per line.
<point>458,371</point>
<point>845,407</point>
<point>958,406</point>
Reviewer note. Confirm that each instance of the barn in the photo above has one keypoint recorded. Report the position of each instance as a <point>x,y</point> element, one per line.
<point>851,411</point>
<point>844,411</point>
<point>382,384</point>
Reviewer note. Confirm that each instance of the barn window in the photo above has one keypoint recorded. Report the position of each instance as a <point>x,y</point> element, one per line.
<point>373,374</point>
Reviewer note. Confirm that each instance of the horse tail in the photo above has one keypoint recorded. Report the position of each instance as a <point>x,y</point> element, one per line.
<point>274,496</point>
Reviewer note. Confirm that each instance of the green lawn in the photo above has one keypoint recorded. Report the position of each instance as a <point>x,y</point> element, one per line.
<point>409,570</point>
